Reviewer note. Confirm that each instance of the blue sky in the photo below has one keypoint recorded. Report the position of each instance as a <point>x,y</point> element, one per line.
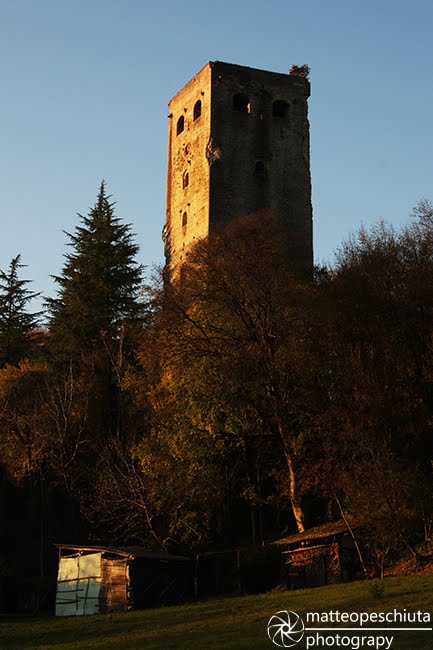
<point>85,86</point>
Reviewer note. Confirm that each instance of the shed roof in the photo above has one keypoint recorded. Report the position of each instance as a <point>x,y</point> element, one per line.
<point>318,532</point>
<point>124,551</point>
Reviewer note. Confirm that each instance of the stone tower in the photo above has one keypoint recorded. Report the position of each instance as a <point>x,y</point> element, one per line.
<point>238,144</point>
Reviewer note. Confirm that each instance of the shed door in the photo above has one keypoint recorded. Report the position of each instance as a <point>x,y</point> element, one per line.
<point>115,580</point>
<point>78,585</point>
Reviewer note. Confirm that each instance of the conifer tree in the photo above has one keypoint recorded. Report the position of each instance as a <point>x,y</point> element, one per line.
<point>16,323</point>
<point>97,309</point>
<point>98,287</point>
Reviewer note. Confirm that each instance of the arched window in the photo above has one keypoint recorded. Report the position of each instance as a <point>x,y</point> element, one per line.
<point>279,108</point>
<point>241,103</point>
<point>197,109</point>
<point>180,125</point>
<point>185,180</point>
<point>184,219</point>
<point>260,168</point>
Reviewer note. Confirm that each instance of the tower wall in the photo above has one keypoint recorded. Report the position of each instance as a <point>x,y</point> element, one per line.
<point>187,155</point>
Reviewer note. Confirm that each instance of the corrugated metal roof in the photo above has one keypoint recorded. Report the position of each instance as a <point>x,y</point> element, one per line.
<point>124,551</point>
<point>318,532</point>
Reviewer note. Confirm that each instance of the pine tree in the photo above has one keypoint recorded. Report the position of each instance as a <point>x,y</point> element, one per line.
<point>16,323</point>
<point>99,286</point>
<point>95,316</point>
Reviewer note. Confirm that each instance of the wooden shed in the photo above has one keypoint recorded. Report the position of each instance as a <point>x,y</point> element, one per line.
<point>322,555</point>
<point>99,579</point>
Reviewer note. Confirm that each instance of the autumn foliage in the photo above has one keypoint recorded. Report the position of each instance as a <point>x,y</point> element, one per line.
<point>231,403</point>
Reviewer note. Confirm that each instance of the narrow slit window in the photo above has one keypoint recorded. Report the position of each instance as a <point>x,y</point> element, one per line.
<point>184,219</point>
<point>279,108</point>
<point>197,109</point>
<point>241,103</point>
<point>180,125</point>
<point>185,180</point>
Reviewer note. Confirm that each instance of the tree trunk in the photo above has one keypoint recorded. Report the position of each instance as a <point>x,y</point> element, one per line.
<point>294,500</point>
<point>346,520</point>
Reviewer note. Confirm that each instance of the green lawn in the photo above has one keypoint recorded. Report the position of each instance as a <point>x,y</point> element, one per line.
<point>229,623</point>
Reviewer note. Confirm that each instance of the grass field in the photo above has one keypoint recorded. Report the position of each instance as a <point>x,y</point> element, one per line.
<point>226,624</point>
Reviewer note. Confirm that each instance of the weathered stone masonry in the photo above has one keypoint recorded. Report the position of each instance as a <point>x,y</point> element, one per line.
<point>238,144</point>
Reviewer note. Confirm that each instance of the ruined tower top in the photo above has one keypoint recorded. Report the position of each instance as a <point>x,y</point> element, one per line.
<point>238,144</point>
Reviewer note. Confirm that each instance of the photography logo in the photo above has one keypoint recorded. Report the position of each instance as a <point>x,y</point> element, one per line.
<point>285,629</point>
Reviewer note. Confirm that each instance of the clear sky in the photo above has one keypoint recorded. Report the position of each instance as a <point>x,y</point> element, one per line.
<point>84,91</point>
